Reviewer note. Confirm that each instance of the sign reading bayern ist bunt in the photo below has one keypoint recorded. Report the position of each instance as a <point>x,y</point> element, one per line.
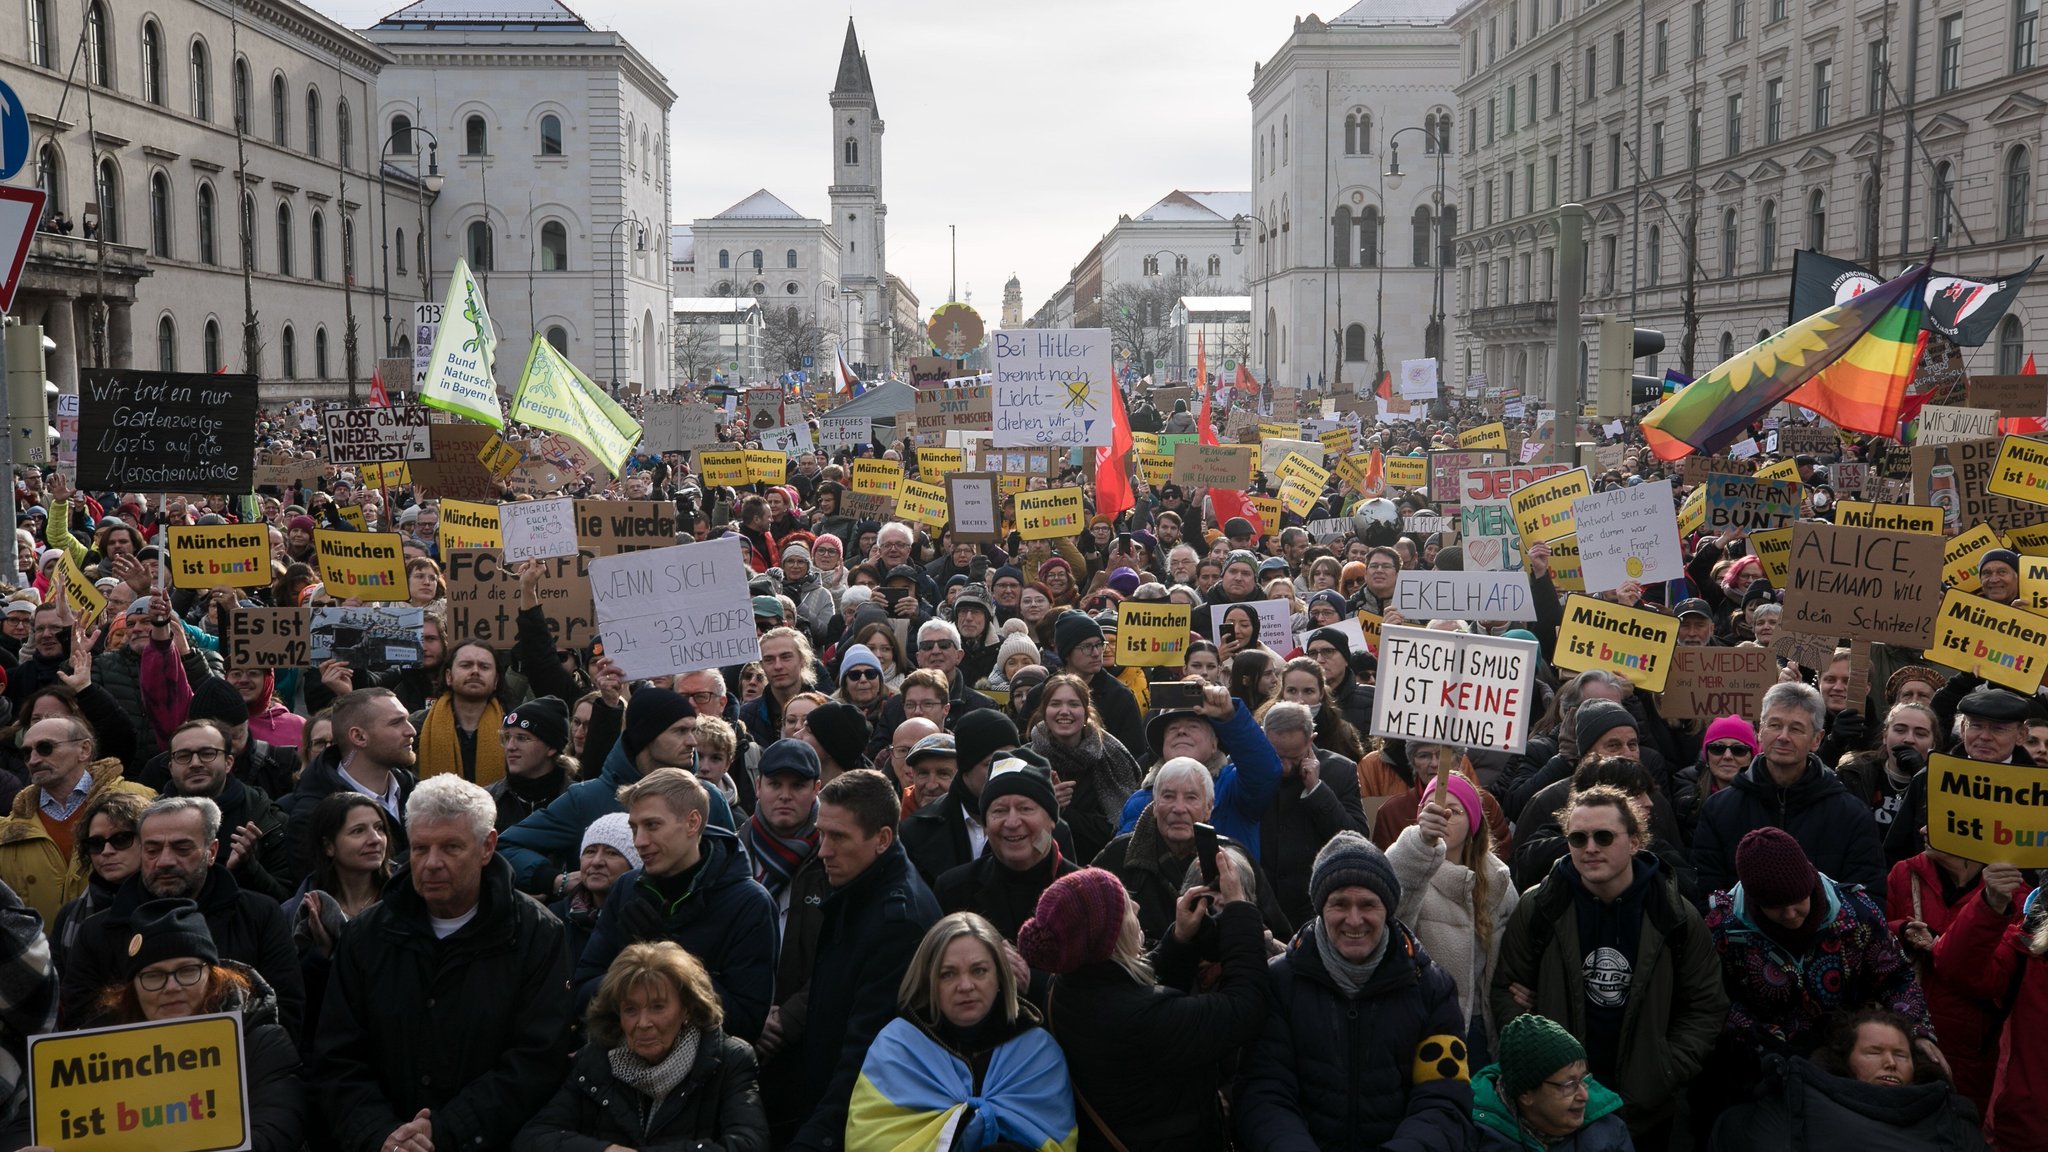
<point>166,432</point>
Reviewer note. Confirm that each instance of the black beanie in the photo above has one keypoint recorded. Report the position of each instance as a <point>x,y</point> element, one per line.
<point>545,718</point>
<point>979,733</point>
<point>167,930</point>
<point>1020,772</point>
<point>649,713</point>
<point>842,731</point>
<point>1072,630</point>
<point>216,699</point>
<point>1334,639</point>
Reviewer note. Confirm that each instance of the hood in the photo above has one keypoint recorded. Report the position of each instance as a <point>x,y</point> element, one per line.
<point>258,1005</point>
<point>1490,1111</point>
<point>1908,1106</point>
<point>1813,785</point>
<point>1740,917</point>
<point>619,769</point>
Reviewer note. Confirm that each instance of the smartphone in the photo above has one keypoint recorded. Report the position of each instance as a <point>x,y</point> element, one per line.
<point>1205,853</point>
<point>1171,694</point>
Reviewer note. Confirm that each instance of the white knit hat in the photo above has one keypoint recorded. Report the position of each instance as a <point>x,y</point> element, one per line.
<point>1014,645</point>
<point>613,831</point>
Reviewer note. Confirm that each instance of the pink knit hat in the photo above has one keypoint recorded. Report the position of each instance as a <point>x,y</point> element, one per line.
<point>1731,728</point>
<point>1079,918</point>
<point>1467,795</point>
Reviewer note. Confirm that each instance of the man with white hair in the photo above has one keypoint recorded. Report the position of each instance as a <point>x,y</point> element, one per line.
<point>938,649</point>
<point>443,954</point>
<point>895,545</point>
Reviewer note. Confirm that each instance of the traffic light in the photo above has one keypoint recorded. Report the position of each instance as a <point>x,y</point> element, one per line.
<point>28,405</point>
<point>1621,345</point>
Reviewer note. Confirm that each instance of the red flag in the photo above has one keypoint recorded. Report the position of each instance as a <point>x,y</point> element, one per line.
<point>1113,464</point>
<point>2029,369</point>
<point>1386,388</point>
<point>2024,425</point>
<point>1375,477</point>
<point>378,397</point>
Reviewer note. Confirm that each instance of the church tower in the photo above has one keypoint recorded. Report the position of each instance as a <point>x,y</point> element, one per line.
<point>858,215</point>
<point>1013,303</point>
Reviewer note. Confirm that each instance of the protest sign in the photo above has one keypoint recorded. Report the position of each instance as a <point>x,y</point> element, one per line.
<point>1051,386</point>
<point>1486,530</point>
<point>1710,682</point>
<point>977,511</point>
<point>1942,424</point>
<point>1960,555</point>
<point>1279,430</point>
<point>1155,468</point>
<point>352,515</point>
<point>1425,525</point>
<point>1275,620</point>
<point>265,638</point>
<point>964,409</point>
<point>454,472</point>
<point>1851,478</point>
<point>1780,470</point>
<point>2010,395</point>
<point>1418,380</point>
<point>2033,583</point>
<point>1200,466</point>
<point>1494,435</point>
<point>1429,595</point>
<point>1361,632</point>
<point>2021,472</point>
<point>80,596</point>
<point>1804,648</point>
<point>1152,635</point>
<point>843,433</point>
<point>1863,582</point>
<point>1050,513</point>
<point>1274,452</point>
<point>362,565</point>
<point>766,466</point>
<point>371,638</point>
<point>726,468</point>
<point>1566,573</point>
<point>675,609</point>
<point>681,427</point>
<point>764,409</point>
<point>790,441</point>
<point>466,524</point>
<point>922,502</point>
<point>500,457</point>
<point>1543,508</point>
<point>1336,441</point>
<point>1994,813</point>
<point>877,477</point>
<point>1464,689</point>
<point>537,529</point>
<point>1410,472</point>
<point>166,431</point>
<point>1692,514</point>
<point>1746,504</point>
<point>206,556</point>
<point>608,527</point>
<point>1773,549</point>
<point>935,463</point>
<point>1628,534</point>
<point>481,603</point>
<point>1957,478</point>
<point>2029,541</point>
<point>1999,643</point>
<point>175,1085</point>
<point>378,435</point>
<point>1914,518</point>
<point>1634,643</point>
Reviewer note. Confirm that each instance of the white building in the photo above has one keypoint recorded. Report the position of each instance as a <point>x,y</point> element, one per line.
<point>141,159</point>
<point>714,333</point>
<point>1209,328</point>
<point>553,139</point>
<point>1354,288</point>
<point>763,248</point>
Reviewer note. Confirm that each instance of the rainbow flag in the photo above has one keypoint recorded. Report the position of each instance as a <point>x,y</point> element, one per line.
<point>1850,363</point>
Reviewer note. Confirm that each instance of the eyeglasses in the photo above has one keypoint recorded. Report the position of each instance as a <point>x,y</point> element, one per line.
<point>1601,836</point>
<point>1570,1087</point>
<point>934,645</point>
<point>119,842</point>
<point>47,747</point>
<point>1326,650</point>
<point>1091,648</point>
<point>765,624</point>
<point>184,756</point>
<point>860,674</point>
<point>186,975</point>
<point>702,699</point>
<point>1727,748</point>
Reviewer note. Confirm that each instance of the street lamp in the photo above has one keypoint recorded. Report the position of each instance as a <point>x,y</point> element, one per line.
<point>1265,280</point>
<point>618,288</point>
<point>430,184</point>
<point>1435,340</point>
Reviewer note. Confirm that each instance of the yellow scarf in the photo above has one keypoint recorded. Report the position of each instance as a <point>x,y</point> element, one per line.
<point>441,751</point>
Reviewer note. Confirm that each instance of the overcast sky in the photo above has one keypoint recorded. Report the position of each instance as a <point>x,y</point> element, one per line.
<point>1030,126</point>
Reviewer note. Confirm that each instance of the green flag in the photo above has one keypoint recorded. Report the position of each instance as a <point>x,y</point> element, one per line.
<point>554,395</point>
<point>465,350</point>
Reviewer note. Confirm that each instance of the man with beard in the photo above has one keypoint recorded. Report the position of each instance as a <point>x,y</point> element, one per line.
<point>459,731</point>
<point>372,753</point>
<point>257,764</point>
<point>201,762</point>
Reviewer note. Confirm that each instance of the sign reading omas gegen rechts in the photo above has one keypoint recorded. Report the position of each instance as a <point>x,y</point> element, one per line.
<point>166,432</point>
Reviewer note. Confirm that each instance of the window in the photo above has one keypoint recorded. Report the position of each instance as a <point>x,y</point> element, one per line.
<point>1215,265</point>
<point>401,135</point>
<point>209,250</point>
<point>241,95</point>
<point>1610,260</point>
<point>1527,281</point>
<point>1369,237</point>
<point>551,135</point>
<point>1949,53</point>
<point>1447,232</point>
<point>1870,219</point>
<point>1354,343</point>
<point>789,258</point>
<point>1556,86</point>
<point>1492,41</point>
<point>1738,19</point>
<point>1734,123</point>
<point>1340,235</point>
<point>98,61</point>
<point>1728,242</point>
<point>1549,274</point>
<point>1472,123</point>
<point>1492,203</point>
<point>166,345</point>
<point>398,242</point>
<point>1817,220</point>
<point>316,234</point>
<point>40,34</point>
<point>1944,199</point>
<point>320,353</point>
<point>152,62</point>
<point>1774,110</point>
<point>2012,346</point>
<point>1514,24</point>
<point>312,122</point>
<point>1511,111</point>
<point>108,192</point>
<point>344,132</point>
<point>724,258</point>
<point>1777,11</point>
<point>1875,64</point>
<point>284,239</point>
<point>1657,150</point>
<point>1699,29</point>
<point>290,346</point>
<point>1726,348</point>
<point>212,345</point>
<point>160,215</point>
<point>559,337</point>
<point>479,236</point>
<point>1552,182</point>
<point>554,247</point>
<point>1661,48</point>
<point>1767,238</point>
<point>1422,225</point>
<point>1585,173</point>
<point>758,263</point>
<point>1614,161</point>
<point>202,83</point>
<point>279,111</point>
<point>1492,117</point>
<point>1618,66</point>
<point>852,151</point>
<point>1357,133</point>
<point>2026,18</point>
<point>1286,140</point>
<point>1590,78</point>
<point>476,137</point>
<point>2019,192</point>
<point>1695,130</point>
<point>1429,130</point>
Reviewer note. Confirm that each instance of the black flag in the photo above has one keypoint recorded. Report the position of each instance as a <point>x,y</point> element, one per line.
<point>1966,311</point>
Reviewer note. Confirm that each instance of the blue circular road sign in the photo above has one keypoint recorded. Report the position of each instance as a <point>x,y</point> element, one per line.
<point>13,133</point>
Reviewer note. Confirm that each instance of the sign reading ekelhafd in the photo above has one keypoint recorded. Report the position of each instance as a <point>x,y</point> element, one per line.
<point>166,432</point>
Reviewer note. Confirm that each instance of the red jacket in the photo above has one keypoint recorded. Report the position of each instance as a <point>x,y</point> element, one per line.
<point>1984,954</point>
<point>1966,1025</point>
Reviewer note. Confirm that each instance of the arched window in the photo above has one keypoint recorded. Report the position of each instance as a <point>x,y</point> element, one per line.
<point>1340,235</point>
<point>1354,343</point>
<point>1944,199</point>
<point>559,337</point>
<point>1369,237</point>
<point>1443,129</point>
<point>852,151</point>
<point>1422,237</point>
<point>401,135</point>
<point>317,235</point>
<point>1726,350</point>
<point>1447,231</point>
<point>1653,257</point>
<point>789,258</point>
<point>791,288</point>
<point>554,247</point>
<point>2012,346</point>
<point>160,215</point>
<point>1286,140</point>
<point>166,344</point>
<point>209,249</point>
<point>1767,237</point>
<point>551,135</point>
<point>398,242</point>
<point>241,94</point>
<point>1870,220</point>
<point>108,190</point>
<point>99,63</point>
<point>312,122</point>
<point>284,239</point>
<point>348,246</point>
<point>152,62</point>
<point>724,258</point>
<point>289,343</point>
<point>2019,191</point>
<point>344,132</point>
<point>1817,220</point>
<point>476,136</point>
<point>480,246</point>
<point>212,343</point>
<point>202,82</point>
<point>1728,242</point>
<point>1429,134</point>
<point>404,346</point>
<point>758,264</point>
<point>1215,265</point>
<point>280,112</point>
<point>320,353</point>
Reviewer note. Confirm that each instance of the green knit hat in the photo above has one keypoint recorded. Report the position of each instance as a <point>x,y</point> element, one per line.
<point>1531,1048</point>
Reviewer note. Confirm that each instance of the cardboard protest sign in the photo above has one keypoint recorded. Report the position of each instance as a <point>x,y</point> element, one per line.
<point>841,433</point>
<point>1213,465</point>
<point>1994,813</point>
<point>352,515</point>
<point>963,409</point>
<point>1634,643</point>
<point>1957,479</point>
<point>2002,644</point>
<point>675,609</point>
<point>2010,395</point>
<point>454,472</point>
<point>1494,435</point>
<point>680,427</point>
<point>1429,595</point>
<point>1914,518</point>
<point>726,468</point>
<point>1942,424</point>
<point>608,527</point>
<point>2021,472</point>
<point>1863,582</point>
<point>481,588</point>
<point>378,435</point>
<point>372,638</point>
<point>1628,534</point>
<point>1409,472</point>
<point>1746,504</point>
<point>1464,689</point>
<point>1274,452</point>
<point>265,638</point>
<point>1275,620</point>
<point>1447,470</point>
<point>877,477</point>
<point>1804,648</point>
<point>467,524</point>
<point>537,529</point>
<point>1960,555</point>
<point>1051,387</point>
<point>362,565</point>
<point>976,509</point>
<point>1707,683</point>
<point>177,1085</point>
<point>1543,507</point>
<point>209,555</point>
<point>922,503</point>
<point>166,431</point>
<point>1050,513</point>
<point>1152,635</point>
<point>1773,549</point>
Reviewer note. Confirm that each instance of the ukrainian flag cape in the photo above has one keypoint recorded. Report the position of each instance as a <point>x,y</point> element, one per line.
<point>915,1095</point>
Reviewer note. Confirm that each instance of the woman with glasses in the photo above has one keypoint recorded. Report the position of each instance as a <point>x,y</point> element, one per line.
<point>1728,747</point>
<point>108,854</point>
<point>861,684</point>
<point>424,585</point>
<point>1541,1096</point>
<point>1301,681</point>
<point>798,709</point>
<point>315,737</point>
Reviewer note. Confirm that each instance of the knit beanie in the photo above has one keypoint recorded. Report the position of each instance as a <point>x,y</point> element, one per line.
<point>1079,917</point>
<point>1124,580</point>
<point>1009,570</point>
<point>1596,718</point>
<point>1333,598</point>
<point>1020,772</point>
<point>979,733</point>
<point>841,731</point>
<point>1244,556</point>
<point>859,656</point>
<point>796,552</point>
<point>545,718</point>
<point>216,699</point>
<point>1731,728</point>
<point>614,831</point>
<point>167,930</point>
<point>1072,630</point>
<point>1015,645</point>
<point>649,713</point>
<point>1531,1048</point>
<point>2005,556</point>
<point>1773,868</point>
<point>856,594</point>
<point>302,523</point>
<point>1335,639</point>
<point>1350,859</point>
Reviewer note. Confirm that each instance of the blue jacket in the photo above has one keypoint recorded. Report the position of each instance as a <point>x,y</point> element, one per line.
<point>548,842</point>
<point>726,920</point>
<point>1244,789</point>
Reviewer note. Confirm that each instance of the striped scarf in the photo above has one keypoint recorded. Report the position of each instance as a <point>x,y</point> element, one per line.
<point>777,857</point>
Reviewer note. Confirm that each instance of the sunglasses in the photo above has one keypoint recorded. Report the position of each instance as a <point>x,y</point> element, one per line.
<point>1600,836</point>
<point>119,842</point>
<point>48,747</point>
<point>861,674</point>
<point>1726,748</point>
<point>934,645</point>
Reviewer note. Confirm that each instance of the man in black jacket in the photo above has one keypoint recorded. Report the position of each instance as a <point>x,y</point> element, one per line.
<point>944,835</point>
<point>875,918</point>
<point>252,830</point>
<point>372,753</point>
<point>447,1014</point>
<point>1318,798</point>
<point>1081,646</point>
<point>257,764</point>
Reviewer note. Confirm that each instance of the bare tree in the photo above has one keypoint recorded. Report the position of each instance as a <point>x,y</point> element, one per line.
<point>909,342</point>
<point>697,350</point>
<point>788,335</point>
<point>1139,314</point>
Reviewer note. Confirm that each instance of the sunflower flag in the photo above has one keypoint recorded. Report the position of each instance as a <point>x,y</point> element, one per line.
<point>1850,363</point>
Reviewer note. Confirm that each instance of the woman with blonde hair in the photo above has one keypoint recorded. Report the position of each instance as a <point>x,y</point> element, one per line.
<point>1068,732</point>
<point>966,1065</point>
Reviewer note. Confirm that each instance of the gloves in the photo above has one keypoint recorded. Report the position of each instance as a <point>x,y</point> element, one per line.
<point>1909,760</point>
<point>643,921</point>
<point>1849,729</point>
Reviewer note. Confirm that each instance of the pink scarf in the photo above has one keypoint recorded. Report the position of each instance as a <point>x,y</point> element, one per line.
<point>165,692</point>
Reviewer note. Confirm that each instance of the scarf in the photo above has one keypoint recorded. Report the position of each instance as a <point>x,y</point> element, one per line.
<point>1349,977</point>
<point>914,1092</point>
<point>165,692</point>
<point>1108,774</point>
<point>441,746</point>
<point>655,1082</point>
<point>777,857</point>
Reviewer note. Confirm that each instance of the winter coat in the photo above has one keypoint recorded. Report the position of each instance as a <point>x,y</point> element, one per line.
<point>1384,1069</point>
<point>815,605</point>
<point>1806,1109</point>
<point>1540,840</point>
<point>1244,786</point>
<point>1987,955</point>
<point>1780,1002</point>
<point>1601,1129</point>
<point>494,996</point>
<point>1967,1025</point>
<point>1437,905</point>
<point>1298,825</point>
<point>1688,795</point>
<point>63,931</point>
<point>1355,700</point>
<point>259,765</point>
<point>1675,1000</point>
<point>1154,879</point>
<point>1121,716</point>
<point>1104,773</point>
<point>43,875</point>
<point>321,779</point>
<point>268,870</point>
<point>935,836</point>
<point>997,893</point>
<point>28,1004</point>
<point>726,920</point>
<point>873,925</point>
<point>717,1106</point>
<point>546,843</point>
<point>119,671</point>
<point>1834,827</point>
